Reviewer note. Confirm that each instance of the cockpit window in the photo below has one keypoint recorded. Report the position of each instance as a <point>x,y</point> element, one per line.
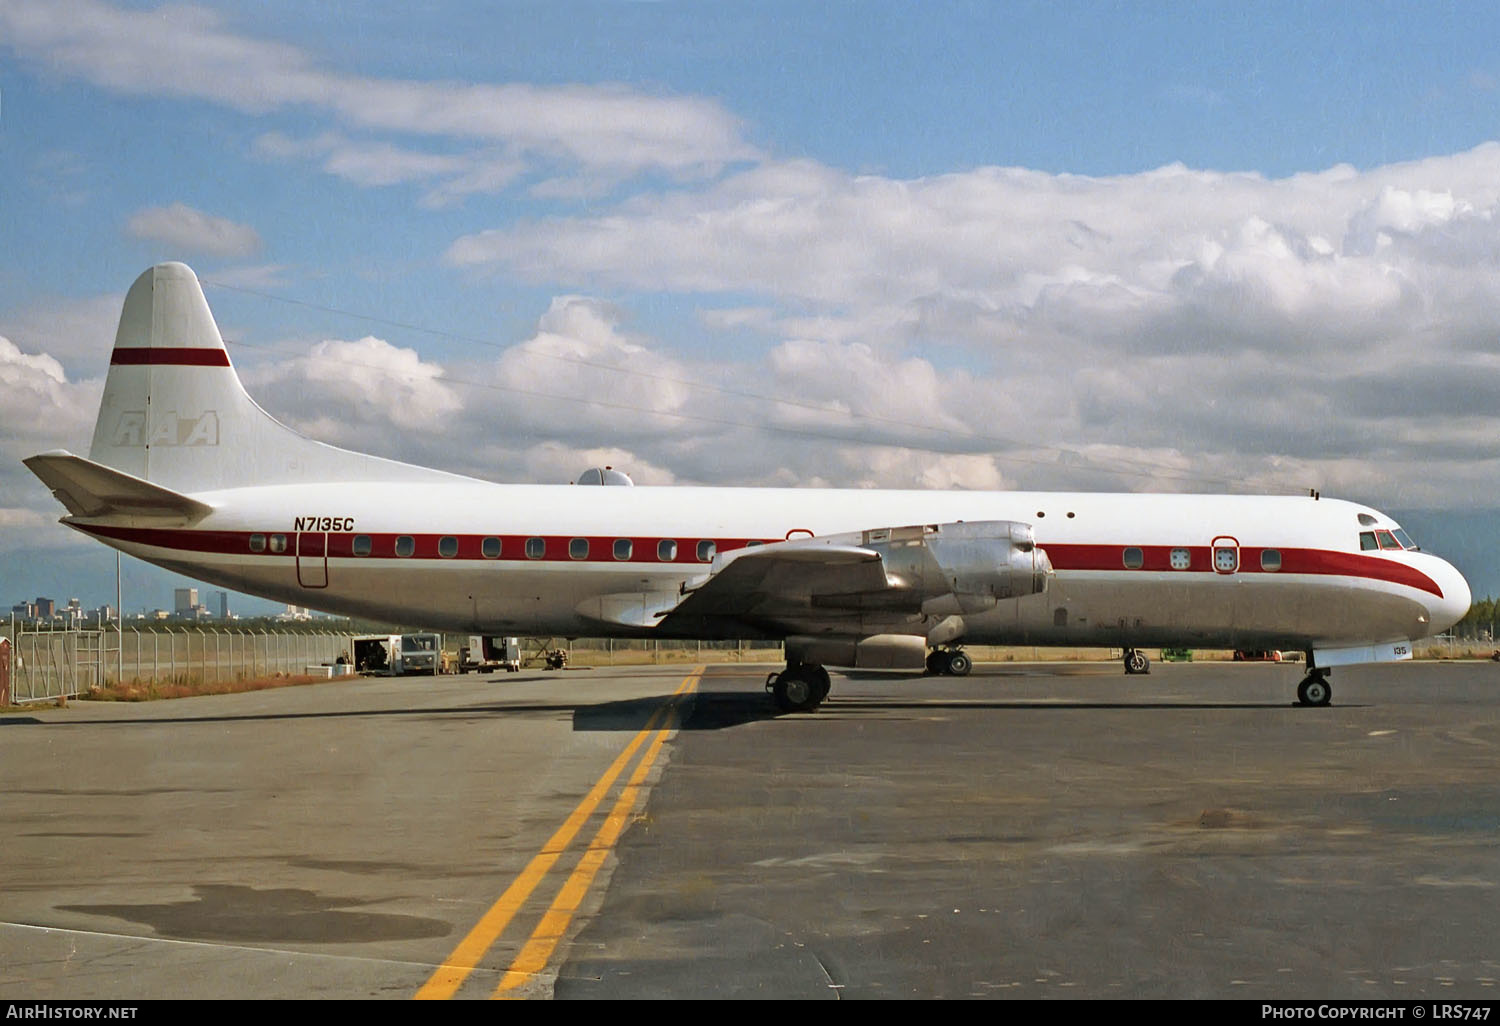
<point>1393,540</point>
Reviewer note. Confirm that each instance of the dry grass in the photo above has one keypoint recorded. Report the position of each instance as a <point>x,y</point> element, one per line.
<point>138,690</point>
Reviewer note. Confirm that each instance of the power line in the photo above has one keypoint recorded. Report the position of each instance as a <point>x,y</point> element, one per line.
<point>1123,466</point>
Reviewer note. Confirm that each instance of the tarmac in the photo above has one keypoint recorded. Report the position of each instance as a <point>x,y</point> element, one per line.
<point>1054,830</point>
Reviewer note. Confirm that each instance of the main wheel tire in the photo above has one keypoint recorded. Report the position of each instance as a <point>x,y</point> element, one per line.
<point>959,664</point>
<point>1314,691</point>
<point>796,690</point>
<point>937,662</point>
<point>823,681</point>
<point>1136,662</point>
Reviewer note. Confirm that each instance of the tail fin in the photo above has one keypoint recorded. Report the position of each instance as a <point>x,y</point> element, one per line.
<point>175,414</point>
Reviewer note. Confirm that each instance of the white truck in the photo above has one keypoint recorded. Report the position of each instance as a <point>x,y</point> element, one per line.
<point>485,654</point>
<point>393,655</point>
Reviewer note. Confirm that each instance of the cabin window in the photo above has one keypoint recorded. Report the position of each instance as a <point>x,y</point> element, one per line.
<point>448,547</point>
<point>1134,558</point>
<point>405,545</point>
<point>362,545</point>
<point>751,544</point>
<point>1387,540</point>
<point>536,548</point>
<point>706,551</point>
<point>490,548</point>
<point>623,548</point>
<point>278,543</point>
<point>666,550</point>
<point>1226,559</point>
<point>578,548</point>
<point>1182,559</point>
<point>1365,520</point>
<point>257,543</point>
<point>1367,541</point>
<point>1270,560</point>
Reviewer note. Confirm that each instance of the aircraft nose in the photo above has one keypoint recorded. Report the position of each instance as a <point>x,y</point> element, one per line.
<point>1446,611</point>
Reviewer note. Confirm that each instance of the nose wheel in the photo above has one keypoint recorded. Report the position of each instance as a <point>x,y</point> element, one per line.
<point>1136,661</point>
<point>1315,689</point>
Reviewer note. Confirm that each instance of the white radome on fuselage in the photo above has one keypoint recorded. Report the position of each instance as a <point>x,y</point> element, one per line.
<point>187,472</point>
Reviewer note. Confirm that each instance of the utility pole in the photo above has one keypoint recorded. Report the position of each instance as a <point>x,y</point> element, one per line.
<point>119,625</point>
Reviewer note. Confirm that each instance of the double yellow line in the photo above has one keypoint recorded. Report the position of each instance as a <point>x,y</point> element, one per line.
<point>449,976</point>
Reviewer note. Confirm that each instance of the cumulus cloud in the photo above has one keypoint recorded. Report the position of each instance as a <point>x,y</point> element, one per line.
<point>42,410</point>
<point>186,230</point>
<point>364,394</point>
<point>1231,330</point>
<point>584,372</point>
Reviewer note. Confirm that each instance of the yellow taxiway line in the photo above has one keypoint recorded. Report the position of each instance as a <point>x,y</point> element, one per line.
<point>449,976</point>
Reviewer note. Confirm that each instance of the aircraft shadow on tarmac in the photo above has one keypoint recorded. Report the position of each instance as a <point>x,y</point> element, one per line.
<point>704,710</point>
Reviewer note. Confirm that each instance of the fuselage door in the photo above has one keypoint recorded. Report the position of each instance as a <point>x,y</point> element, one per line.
<point>1226,554</point>
<point>312,559</point>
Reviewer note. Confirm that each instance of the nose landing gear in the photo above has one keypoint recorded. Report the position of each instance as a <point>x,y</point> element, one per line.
<point>1315,689</point>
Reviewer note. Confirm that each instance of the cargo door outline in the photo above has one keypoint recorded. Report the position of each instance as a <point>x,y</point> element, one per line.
<point>312,559</point>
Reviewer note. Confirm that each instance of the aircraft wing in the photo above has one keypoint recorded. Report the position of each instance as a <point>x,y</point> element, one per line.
<point>90,489</point>
<point>782,583</point>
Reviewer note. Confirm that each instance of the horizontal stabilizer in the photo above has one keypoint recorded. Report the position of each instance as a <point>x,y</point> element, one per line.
<point>90,489</point>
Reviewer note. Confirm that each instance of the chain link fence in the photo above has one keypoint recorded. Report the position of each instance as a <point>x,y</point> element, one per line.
<point>62,664</point>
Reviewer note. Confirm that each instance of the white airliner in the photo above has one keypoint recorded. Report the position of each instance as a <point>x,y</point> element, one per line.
<point>187,472</point>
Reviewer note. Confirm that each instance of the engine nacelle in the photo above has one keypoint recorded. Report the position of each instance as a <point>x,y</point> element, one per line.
<point>964,567</point>
<point>986,561</point>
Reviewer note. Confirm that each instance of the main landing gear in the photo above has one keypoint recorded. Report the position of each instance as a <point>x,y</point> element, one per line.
<point>950,662</point>
<point>1136,661</point>
<point>1315,689</point>
<point>799,688</point>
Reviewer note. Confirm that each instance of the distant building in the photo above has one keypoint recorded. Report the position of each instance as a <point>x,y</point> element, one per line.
<point>183,601</point>
<point>24,610</point>
<point>223,605</point>
<point>45,608</point>
<point>104,614</point>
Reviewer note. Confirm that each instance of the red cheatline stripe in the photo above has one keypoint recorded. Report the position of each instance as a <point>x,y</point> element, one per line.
<point>1293,561</point>
<point>170,357</point>
<point>1064,557</point>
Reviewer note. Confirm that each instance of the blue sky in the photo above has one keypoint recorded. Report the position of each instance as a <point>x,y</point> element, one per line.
<point>1102,245</point>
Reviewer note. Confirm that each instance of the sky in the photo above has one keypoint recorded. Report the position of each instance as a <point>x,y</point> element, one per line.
<point>1105,246</point>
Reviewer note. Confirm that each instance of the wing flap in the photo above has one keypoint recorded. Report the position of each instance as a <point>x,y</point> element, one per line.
<point>92,490</point>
